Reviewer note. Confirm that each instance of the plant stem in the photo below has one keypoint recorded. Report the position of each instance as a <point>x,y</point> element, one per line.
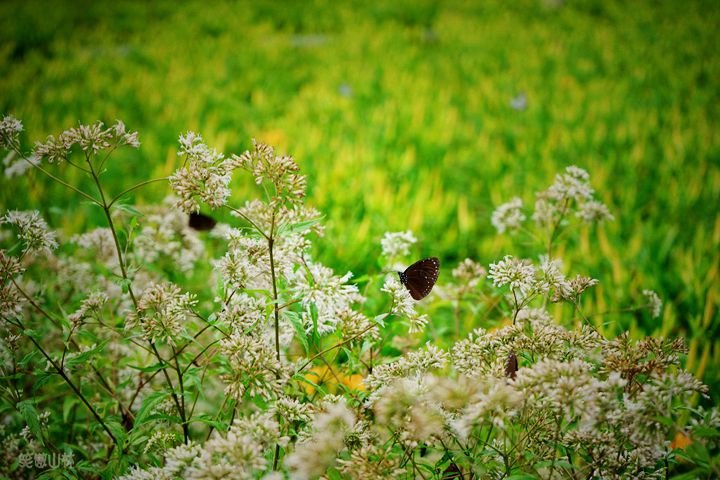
<point>111,224</point>
<point>70,383</point>
<point>141,184</point>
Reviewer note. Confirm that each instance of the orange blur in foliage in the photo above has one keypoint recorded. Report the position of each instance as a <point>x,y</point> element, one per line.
<point>330,379</point>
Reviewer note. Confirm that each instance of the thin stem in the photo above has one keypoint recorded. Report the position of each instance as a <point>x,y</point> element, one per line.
<point>244,217</point>
<point>141,184</point>
<point>557,226</point>
<point>271,243</point>
<point>184,419</point>
<point>338,345</point>
<point>64,183</point>
<point>123,270</point>
<point>69,382</point>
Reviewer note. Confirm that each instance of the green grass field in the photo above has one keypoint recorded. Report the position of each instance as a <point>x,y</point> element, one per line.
<point>400,115</point>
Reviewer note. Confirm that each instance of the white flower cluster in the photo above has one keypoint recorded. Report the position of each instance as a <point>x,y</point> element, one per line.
<point>280,170</point>
<point>33,231</point>
<point>162,312</point>
<point>508,216</point>
<point>90,138</point>
<point>526,281</point>
<point>240,454</point>
<point>403,304</point>
<point>205,175</point>
<point>397,244</point>
<point>10,128</point>
<point>318,451</point>
<point>329,295</point>
<point>571,190</point>
<point>89,307</point>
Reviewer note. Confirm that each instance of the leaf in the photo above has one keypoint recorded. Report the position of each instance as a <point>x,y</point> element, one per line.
<point>299,227</point>
<point>30,415</point>
<point>379,319</point>
<point>297,325</point>
<point>210,420</point>
<point>128,209</point>
<point>68,405</point>
<point>148,404</point>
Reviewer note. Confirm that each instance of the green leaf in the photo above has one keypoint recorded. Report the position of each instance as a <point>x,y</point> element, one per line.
<point>68,405</point>
<point>128,209</point>
<point>299,227</point>
<point>30,415</point>
<point>380,319</point>
<point>297,325</point>
<point>148,404</point>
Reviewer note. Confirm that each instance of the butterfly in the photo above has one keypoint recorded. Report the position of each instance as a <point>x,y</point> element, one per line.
<point>201,222</point>
<point>511,365</point>
<point>420,277</point>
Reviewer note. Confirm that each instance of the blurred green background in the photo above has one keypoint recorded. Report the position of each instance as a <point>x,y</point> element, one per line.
<point>400,113</point>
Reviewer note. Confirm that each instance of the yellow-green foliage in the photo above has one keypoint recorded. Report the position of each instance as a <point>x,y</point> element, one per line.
<point>400,115</point>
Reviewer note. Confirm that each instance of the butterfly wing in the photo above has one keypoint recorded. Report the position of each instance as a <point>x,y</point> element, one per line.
<point>420,277</point>
<point>201,222</point>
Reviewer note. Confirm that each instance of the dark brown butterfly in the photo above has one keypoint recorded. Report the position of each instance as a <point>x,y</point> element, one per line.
<point>511,365</point>
<point>420,277</point>
<point>201,222</point>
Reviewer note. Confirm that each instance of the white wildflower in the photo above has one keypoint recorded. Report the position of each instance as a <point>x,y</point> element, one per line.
<point>10,128</point>
<point>162,312</point>
<point>91,305</point>
<point>654,304</point>
<point>518,274</point>
<point>402,303</point>
<point>32,230</point>
<point>397,244</point>
<point>508,216</point>
<point>313,456</point>
<point>329,294</point>
<point>593,211</point>
<point>205,175</point>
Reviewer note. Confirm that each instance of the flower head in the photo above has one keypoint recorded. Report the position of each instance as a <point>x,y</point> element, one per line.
<point>518,274</point>
<point>397,244</point>
<point>654,304</point>
<point>508,216</point>
<point>32,230</point>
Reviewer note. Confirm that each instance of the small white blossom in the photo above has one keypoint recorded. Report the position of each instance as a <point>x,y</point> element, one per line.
<point>593,211</point>
<point>313,456</point>
<point>162,312</point>
<point>654,304</point>
<point>518,274</point>
<point>397,244</point>
<point>508,216</point>
<point>32,230</point>
<point>10,128</point>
